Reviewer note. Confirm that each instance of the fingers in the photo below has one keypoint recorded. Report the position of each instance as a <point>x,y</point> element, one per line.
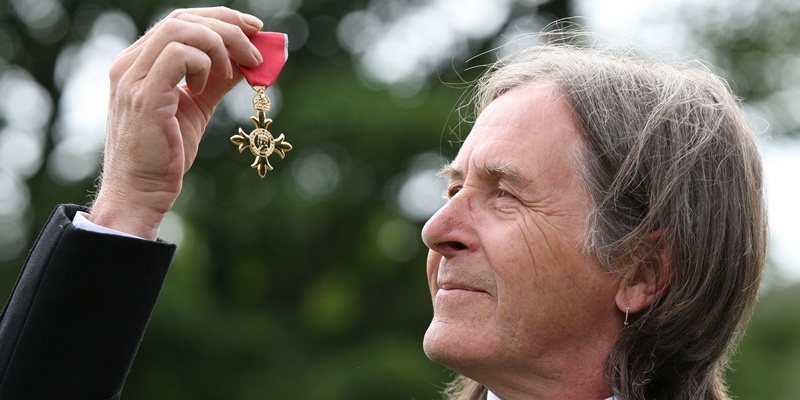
<point>246,22</point>
<point>219,32</point>
<point>238,44</point>
<point>177,33</point>
<point>215,90</point>
<point>174,63</point>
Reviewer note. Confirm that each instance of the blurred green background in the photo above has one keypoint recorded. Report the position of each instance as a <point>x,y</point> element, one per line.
<point>310,284</point>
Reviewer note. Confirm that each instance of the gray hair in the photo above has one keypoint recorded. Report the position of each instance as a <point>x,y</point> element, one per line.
<point>667,150</point>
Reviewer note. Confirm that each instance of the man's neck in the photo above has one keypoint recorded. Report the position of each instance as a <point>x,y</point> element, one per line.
<point>492,396</point>
<point>572,383</point>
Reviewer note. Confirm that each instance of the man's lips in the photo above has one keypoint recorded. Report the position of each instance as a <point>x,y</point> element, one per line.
<point>458,286</point>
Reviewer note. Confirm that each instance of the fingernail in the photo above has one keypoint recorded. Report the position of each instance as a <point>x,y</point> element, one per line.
<point>256,53</point>
<point>252,21</point>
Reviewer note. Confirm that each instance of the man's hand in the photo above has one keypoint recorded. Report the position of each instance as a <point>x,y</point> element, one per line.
<point>155,123</point>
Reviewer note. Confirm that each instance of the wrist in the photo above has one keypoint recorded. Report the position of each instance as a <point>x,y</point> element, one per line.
<point>128,214</point>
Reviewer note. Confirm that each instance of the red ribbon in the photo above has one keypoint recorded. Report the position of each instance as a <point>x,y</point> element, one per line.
<point>274,50</point>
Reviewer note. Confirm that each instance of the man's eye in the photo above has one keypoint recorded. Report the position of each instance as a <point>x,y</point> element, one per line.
<point>452,191</point>
<point>504,194</point>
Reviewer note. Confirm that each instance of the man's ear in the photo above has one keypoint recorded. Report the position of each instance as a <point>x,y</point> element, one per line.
<point>648,280</point>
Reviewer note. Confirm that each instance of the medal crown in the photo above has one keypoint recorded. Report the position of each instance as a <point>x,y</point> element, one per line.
<point>261,101</point>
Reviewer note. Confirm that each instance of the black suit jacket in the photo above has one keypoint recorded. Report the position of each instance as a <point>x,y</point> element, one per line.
<point>79,309</point>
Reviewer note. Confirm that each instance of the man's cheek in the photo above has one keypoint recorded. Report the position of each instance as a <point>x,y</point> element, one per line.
<point>434,259</point>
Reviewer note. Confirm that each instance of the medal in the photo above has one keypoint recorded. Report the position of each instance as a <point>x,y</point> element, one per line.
<point>260,141</point>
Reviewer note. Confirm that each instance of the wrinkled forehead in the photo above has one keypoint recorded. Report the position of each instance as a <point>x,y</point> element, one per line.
<point>523,131</point>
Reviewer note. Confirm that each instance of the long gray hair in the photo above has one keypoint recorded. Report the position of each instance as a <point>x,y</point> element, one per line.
<point>668,150</point>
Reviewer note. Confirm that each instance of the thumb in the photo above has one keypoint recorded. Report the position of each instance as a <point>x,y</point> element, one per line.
<point>216,88</point>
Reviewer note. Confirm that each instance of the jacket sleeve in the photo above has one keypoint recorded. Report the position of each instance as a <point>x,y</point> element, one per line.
<point>78,311</point>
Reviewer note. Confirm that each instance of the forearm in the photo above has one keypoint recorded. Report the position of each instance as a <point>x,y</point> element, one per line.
<point>78,312</point>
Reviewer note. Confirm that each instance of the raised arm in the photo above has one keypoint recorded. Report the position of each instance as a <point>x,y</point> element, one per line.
<point>78,311</point>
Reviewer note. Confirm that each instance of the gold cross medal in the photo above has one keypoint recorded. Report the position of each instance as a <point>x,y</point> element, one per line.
<point>260,141</point>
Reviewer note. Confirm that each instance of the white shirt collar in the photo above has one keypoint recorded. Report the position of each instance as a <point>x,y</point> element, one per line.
<point>491,396</point>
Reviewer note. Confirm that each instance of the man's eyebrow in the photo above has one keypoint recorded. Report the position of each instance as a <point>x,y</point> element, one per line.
<point>505,173</point>
<point>450,172</point>
<point>500,172</point>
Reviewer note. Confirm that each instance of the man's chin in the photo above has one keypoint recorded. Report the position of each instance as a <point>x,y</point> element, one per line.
<point>452,346</point>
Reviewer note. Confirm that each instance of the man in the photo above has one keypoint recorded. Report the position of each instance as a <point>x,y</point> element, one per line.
<point>604,234</point>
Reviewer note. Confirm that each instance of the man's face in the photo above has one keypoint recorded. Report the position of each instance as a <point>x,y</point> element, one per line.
<point>513,293</point>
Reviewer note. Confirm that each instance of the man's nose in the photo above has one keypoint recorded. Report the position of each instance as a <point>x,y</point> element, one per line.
<point>449,231</point>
